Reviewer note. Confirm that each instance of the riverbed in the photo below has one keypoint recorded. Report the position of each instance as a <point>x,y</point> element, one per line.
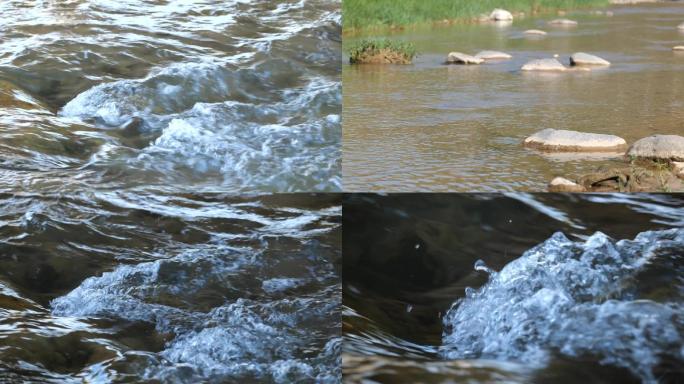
<point>431,127</point>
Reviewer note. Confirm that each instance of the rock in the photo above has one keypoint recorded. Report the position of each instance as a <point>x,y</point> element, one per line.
<point>462,58</point>
<point>581,58</point>
<point>563,22</point>
<point>658,147</point>
<point>12,96</point>
<point>560,184</point>
<point>681,26</point>
<point>572,141</point>
<point>501,15</point>
<point>492,55</point>
<point>678,48</point>
<point>678,169</point>
<point>534,32</point>
<point>544,65</point>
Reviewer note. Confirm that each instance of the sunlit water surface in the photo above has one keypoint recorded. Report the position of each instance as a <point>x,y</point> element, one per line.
<point>221,95</point>
<point>517,289</point>
<point>430,127</point>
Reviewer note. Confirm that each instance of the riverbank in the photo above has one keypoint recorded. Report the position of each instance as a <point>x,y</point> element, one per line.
<point>363,16</point>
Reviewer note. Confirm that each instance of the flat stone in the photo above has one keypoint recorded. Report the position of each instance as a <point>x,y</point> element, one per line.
<point>501,15</point>
<point>566,22</point>
<point>658,147</point>
<point>678,48</point>
<point>492,55</point>
<point>581,58</point>
<point>561,184</point>
<point>535,32</point>
<point>544,65</point>
<point>462,58</point>
<point>561,140</point>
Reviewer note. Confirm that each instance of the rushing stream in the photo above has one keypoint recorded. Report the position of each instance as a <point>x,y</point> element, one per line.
<point>431,127</point>
<point>221,95</point>
<point>123,287</point>
<point>514,288</point>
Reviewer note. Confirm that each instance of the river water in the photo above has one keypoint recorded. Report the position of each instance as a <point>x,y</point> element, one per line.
<point>430,127</point>
<point>192,95</point>
<point>513,288</point>
<point>127,288</point>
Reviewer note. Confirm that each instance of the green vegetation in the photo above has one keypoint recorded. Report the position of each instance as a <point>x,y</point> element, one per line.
<point>368,14</point>
<point>381,51</point>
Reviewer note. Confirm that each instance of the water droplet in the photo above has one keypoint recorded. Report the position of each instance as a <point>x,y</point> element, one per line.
<point>417,246</point>
<point>482,267</point>
<point>409,308</point>
<point>469,291</point>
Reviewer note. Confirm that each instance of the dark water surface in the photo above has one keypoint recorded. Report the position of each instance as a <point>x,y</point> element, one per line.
<point>430,127</point>
<point>485,288</point>
<point>127,288</point>
<point>220,95</point>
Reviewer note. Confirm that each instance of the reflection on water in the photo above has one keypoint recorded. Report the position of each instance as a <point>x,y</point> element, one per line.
<point>519,288</point>
<point>127,287</point>
<point>219,95</point>
<point>430,127</point>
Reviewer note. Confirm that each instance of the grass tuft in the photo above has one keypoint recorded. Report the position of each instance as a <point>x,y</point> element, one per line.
<point>381,51</point>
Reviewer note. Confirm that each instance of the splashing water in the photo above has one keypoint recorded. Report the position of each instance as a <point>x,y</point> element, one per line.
<point>575,299</point>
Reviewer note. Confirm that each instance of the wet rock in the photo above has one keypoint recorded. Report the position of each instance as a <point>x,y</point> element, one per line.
<point>658,147</point>
<point>501,15</point>
<point>544,65</point>
<point>535,32</point>
<point>560,184</point>
<point>492,55</point>
<point>680,26</point>
<point>581,58</point>
<point>462,58</point>
<point>572,141</point>
<point>678,48</point>
<point>563,22</point>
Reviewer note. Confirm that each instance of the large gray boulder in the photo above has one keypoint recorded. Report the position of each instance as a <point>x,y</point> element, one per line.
<point>501,15</point>
<point>544,65</point>
<point>493,55</point>
<point>581,58</point>
<point>658,147</point>
<point>462,58</point>
<point>561,140</point>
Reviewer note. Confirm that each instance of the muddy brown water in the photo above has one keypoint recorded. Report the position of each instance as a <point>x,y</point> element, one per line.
<point>430,127</point>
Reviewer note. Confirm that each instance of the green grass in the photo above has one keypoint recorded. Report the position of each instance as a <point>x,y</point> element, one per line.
<point>370,47</point>
<point>369,14</point>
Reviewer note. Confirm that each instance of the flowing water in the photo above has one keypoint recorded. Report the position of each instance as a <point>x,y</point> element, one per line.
<point>223,95</point>
<point>431,127</point>
<point>513,288</point>
<point>127,288</point>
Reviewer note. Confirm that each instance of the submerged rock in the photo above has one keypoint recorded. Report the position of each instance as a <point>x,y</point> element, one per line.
<point>571,141</point>
<point>658,147</point>
<point>563,22</point>
<point>501,15</point>
<point>492,55</point>
<point>561,184</point>
<point>462,58</point>
<point>12,96</point>
<point>535,32</point>
<point>544,65</point>
<point>581,58</point>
